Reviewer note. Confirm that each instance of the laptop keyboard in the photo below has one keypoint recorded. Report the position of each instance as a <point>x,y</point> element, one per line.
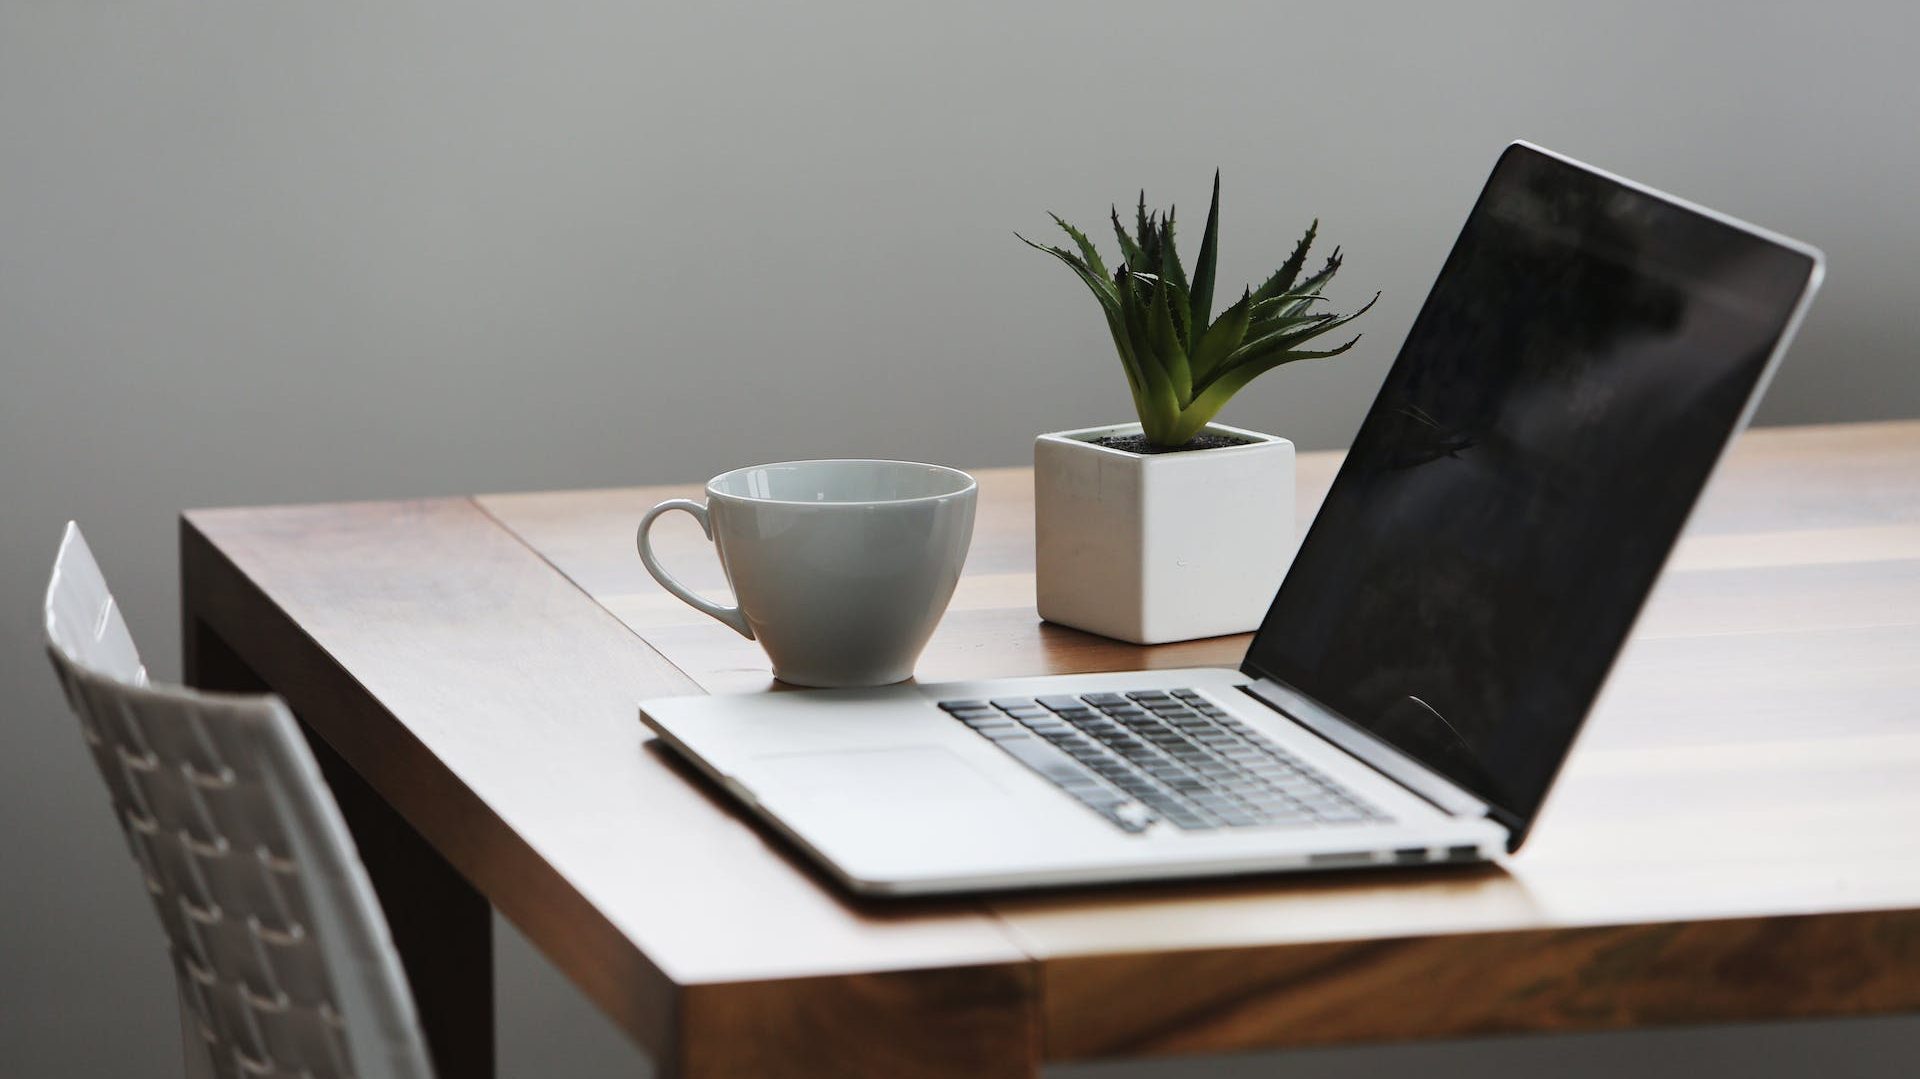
<point>1173,755</point>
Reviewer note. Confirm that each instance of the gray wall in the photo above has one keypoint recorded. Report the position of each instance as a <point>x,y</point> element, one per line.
<point>290,252</point>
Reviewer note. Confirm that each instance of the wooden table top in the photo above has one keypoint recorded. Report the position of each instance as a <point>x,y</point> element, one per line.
<point>1737,836</point>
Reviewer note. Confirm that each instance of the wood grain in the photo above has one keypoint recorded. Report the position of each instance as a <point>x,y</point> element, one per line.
<point>967,1021</point>
<point>441,927</point>
<point>1740,801</point>
<point>1808,524</point>
<point>1602,978</point>
<point>1731,841</point>
<point>491,703</point>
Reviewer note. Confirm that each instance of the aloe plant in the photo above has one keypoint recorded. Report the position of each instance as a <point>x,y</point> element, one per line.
<point>1182,365</point>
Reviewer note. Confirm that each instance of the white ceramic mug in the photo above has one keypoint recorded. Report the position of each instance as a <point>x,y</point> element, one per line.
<point>840,569</point>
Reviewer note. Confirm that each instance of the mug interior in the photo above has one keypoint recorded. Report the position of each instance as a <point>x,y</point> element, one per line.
<point>840,481</point>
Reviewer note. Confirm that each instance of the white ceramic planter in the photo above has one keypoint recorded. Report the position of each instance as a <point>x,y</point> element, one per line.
<point>1150,548</point>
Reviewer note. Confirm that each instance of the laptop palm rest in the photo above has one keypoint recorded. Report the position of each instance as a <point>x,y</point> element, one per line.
<point>882,780</point>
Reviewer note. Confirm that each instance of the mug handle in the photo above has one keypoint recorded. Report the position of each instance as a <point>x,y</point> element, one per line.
<point>732,616</point>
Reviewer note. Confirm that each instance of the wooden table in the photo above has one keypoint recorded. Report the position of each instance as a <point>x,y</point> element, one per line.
<point>1737,837</point>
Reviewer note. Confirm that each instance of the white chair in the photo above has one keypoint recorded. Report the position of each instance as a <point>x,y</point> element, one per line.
<point>282,956</point>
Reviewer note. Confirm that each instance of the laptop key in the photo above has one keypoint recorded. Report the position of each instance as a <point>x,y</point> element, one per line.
<point>1186,820</point>
<point>1049,761</point>
<point>1167,755</point>
<point>1165,804</point>
<point>1097,797</point>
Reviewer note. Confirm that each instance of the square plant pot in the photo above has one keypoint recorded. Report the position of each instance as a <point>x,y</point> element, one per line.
<point>1150,548</point>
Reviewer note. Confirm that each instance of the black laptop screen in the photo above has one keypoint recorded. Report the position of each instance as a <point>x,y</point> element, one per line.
<point>1583,358</point>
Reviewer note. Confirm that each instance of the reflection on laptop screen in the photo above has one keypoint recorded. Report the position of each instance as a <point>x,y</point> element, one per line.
<point>1583,358</point>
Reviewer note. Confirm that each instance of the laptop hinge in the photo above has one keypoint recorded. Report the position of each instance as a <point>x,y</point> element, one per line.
<point>1423,782</point>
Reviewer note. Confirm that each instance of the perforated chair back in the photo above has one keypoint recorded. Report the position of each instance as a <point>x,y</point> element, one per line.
<point>283,960</point>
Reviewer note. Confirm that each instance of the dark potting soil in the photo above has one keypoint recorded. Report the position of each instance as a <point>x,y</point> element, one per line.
<point>1139,443</point>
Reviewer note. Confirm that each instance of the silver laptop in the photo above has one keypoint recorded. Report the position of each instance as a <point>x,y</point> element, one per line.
<point>1589,349</point>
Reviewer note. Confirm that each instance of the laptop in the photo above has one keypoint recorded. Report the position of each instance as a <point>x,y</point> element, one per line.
<point>1588,351</point>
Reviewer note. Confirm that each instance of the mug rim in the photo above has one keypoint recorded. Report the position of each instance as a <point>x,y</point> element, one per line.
<point>967,487</point>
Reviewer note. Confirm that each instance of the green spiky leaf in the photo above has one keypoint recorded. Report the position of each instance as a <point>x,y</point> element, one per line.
<point>1142,225</point>
<point>1158,405</point>
<point>1170,267</point>
<point>1283,278</point>
<point>1130,256</point>
<point>1209,400</point>
<point>1182,367</point>
<point>1150,249</point>
<point>1287,340</point>
<point>1279,306</point>
<point>1203,265</point>
<point>1221,338</point>
<point>1088,253</point>
<point>1165,342</point>
<point>1098,284</point>
<point>1317,281</point>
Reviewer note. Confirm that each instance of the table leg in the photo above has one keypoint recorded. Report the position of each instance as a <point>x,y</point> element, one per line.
<point>441,926</point>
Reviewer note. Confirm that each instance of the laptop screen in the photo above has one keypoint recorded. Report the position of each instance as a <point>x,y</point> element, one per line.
<point>1586,353</point>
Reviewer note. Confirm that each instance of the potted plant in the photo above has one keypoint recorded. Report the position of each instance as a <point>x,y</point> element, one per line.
<point>1176,527</point>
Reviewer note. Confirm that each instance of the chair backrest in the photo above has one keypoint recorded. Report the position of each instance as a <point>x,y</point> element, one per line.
<point>283,959</point>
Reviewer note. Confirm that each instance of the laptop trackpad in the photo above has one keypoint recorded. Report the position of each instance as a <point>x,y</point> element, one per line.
<point>877,778</point>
